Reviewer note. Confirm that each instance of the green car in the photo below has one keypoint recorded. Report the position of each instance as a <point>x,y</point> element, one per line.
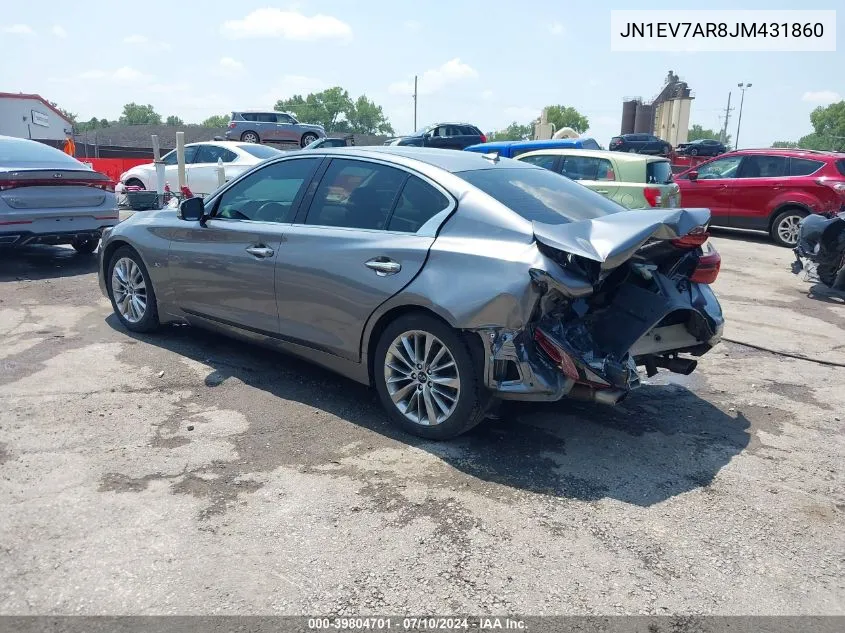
<point>633,180</point>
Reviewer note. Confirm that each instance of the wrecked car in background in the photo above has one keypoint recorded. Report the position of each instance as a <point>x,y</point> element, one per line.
<point>821,240</point>
<point>447,280</point>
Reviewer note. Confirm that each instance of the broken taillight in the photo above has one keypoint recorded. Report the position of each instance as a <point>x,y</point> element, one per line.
<point>707,268</point>
<point>652,196</point>
<point>693,239</point>
<point>560,358</point>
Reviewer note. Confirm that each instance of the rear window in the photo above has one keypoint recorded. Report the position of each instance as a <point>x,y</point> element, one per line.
<point>589,143</point>
<point>840,165</point>
<point>259,151</point>
<point>658,172</point>
<point>20,153</point>
<point>539,195</point>
<point>804,166</point>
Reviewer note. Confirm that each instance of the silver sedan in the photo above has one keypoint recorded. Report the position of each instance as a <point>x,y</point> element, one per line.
<point>446,280</point>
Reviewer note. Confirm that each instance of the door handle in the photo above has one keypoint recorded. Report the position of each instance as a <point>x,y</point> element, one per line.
<point>260,251</point>
<point>601,190</point>
<point>383,266</point>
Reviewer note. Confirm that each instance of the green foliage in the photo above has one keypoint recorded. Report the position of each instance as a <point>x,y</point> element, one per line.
<point>217,121</point>
<point>174,120</point>
<point>135,114</point>
<point>828,130</point>
<point>335,110</point>
<point>785,144</point>
<point>514,132</point>
<point>696,132</point>
<point>566,116</point>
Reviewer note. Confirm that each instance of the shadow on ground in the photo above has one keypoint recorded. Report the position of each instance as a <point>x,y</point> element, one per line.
<point>664,440</point>
<point>44,262</point>
<point>741,235</point>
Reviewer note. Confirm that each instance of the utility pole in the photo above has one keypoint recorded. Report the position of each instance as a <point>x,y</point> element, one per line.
<point>415,103</point>
<point>742,87</point>
<point>723,137</point>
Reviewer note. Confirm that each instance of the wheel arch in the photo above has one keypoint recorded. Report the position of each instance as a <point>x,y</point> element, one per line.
<point>373,334</point>
<point>784,206</point>
<point>245,132</point>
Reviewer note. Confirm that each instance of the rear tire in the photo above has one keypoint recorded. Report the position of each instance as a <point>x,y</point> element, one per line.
<point>131,285</point>
<point>784,229</point>
<point>422,391</point>
<point>250,137</point>
<point>85,246</point>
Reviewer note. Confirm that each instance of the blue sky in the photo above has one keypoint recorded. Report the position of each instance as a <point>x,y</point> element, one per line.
<point>488,62</point>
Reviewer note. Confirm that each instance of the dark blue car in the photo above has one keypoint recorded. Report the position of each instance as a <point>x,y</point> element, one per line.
<point>512,149</point>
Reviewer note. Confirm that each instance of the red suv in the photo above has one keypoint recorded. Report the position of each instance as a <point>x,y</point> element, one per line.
<point>766,189</point>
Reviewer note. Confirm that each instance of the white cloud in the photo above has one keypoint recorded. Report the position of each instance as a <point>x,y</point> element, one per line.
<point>290,25</point>
<point>19,29</point>
<point>122,74</point>
<point>59,31</point>
<point>412,25</point>
<point>142,40</point>
<point>522,113</point>
<point>823,97</point>
<point>436,79</point>
<point>487,95</point>
<point>165,88</point>
<point>291,85</point>
<point>556,28</point>
<point>136,39</point>
<point>229,66</point>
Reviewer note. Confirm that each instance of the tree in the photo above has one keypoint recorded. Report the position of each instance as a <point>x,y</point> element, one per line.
<point>514,132</point>
<point>327,108</point>
<point>365,117</point>
<point>174,121</point>
<point>566,116</point>
<point>217,121</point>
<point>135,114</point>
<point>785,144</point>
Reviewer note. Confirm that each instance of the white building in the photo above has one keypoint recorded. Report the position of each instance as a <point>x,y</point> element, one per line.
<point>31,116</point>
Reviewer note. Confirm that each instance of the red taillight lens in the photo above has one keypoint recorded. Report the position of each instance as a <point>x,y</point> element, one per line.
<point>708,268</point>
<point>557,355</point>
<point>231,124</point>
<point>483,138</point>
<point>693,239</point>
<point>652,196</point>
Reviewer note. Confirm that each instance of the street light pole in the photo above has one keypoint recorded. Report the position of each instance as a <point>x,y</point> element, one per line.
<point>743,87</point>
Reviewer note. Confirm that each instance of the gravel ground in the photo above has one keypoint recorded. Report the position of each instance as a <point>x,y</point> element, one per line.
<point>183,473</point>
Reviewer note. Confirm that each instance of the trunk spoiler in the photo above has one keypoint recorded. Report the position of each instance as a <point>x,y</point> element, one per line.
<point>613,239</point>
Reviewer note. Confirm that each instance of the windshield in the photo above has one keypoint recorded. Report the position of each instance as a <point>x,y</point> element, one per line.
<point>539,195</point>
<point>260,151</point>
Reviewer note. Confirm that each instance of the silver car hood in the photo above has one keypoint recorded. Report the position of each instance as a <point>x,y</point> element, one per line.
<point>613,239</point>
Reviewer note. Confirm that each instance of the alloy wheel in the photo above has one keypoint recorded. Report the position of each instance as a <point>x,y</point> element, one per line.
<point>788,228</point>
<point>129,290</point>
<point>250,137</point>
<point>422,377</point>
<point>308,139</point>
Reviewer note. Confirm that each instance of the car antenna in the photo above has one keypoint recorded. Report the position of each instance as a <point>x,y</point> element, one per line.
<point>491,156</point>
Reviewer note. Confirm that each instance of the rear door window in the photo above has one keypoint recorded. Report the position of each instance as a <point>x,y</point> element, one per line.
<point>267,117</point>
<point>804,166</point>
<point>762,166</point>
<point>210,154</point>
<point>587,168</point>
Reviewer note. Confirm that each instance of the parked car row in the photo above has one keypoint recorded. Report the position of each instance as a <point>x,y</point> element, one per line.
<point>651,144</point>
<point>348,257</point>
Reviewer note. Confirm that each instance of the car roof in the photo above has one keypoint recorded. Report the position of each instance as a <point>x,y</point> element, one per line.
<point>786,151</point>
<point>559,142</point>
<point>449,160</point>
<point>619,157</point>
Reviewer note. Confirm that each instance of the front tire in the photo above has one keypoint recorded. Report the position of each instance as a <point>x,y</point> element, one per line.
<point>784,229</point>
<point>426,379</point>
<point>308,138</point>
<point>85,245</point>
<point>131,291</point>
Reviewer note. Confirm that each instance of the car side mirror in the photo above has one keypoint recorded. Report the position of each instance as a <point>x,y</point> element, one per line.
<point>191,210</point>
<point>693,175</point>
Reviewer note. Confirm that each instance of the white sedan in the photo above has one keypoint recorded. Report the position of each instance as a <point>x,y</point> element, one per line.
<point>201,165</point>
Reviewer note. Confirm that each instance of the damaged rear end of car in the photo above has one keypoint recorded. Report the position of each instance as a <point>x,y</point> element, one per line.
<point>613,294</point>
